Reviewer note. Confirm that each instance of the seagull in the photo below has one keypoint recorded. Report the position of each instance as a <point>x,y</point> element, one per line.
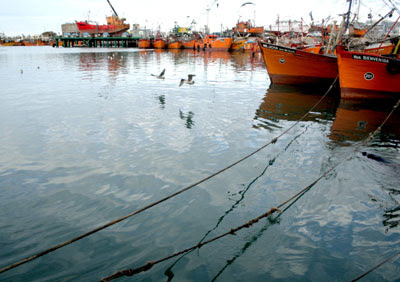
<point>188,81</point>
<point>161,76</point>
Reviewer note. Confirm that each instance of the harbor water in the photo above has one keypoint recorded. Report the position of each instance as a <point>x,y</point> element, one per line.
<point>89,135</point>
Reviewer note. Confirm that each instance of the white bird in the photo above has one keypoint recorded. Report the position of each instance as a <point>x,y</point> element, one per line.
<point>161,75</point>
<point>189,81</point>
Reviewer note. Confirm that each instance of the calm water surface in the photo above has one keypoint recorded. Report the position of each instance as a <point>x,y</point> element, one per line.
<point>88,136</point>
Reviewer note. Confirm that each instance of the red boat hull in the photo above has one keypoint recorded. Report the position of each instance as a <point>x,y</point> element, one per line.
<point>110,28</point>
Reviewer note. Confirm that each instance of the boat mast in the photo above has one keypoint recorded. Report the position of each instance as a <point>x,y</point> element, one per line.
<point>348,16</point>
<point>115,12</point>
<point>381,19</point>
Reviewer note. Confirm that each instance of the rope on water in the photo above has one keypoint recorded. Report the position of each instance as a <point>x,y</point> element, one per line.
<point>396,254</point>
<point>52,249</point>
<point>375,267</point>
<point>149,265</point>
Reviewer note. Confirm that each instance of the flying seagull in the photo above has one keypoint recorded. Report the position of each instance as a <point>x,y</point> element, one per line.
<point>161,76</point>
<point>188,81</point>
<point>247,3</point>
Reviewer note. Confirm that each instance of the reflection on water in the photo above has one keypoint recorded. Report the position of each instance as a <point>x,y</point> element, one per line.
<point>91,136</point>
<point>161,99</point>
<point>188,118</point>
<point>355,119</point>
<point>284,102</point>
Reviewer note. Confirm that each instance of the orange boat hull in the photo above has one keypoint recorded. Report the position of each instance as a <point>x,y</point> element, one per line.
<point>292,66</point>
<point>219,44</point>
<point>188,44</point>
<point>174,45</point>
<point>363,75</point>
<point>159,44</point>
<point>144,43</point>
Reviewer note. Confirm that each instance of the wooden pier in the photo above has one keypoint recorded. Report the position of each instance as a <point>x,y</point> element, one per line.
<point>97,42</point>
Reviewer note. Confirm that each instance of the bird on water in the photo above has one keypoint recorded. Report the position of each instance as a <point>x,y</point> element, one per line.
<point>161,75</point>
<point>189,81</point>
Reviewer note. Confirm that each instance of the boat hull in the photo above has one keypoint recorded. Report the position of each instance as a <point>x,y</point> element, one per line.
<point>363,75</point>
<point>238,44</point>
<point>188,44</point>
<point>144,43</point>
<point>159,44</point>
<point>252,46</point>
<point>292,66</point>
<point>110,28</point>
<point>174,45</point>
<point>219,44</point>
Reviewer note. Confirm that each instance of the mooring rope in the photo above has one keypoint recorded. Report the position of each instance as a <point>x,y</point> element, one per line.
<point>150,264</point>
<point>375,267</point>
<point>58,246</point>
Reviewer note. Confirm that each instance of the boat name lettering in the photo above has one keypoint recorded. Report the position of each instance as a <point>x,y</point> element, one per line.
<point>279,48</point>
<point>370,58</point>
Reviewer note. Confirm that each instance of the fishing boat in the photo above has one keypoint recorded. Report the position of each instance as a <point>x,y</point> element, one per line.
<point>188,43</point>
<point>367,75</point>
<point>243,28</point>
<point>238,44</point>
<point>292,66</point>
<point>251,45</point>
<point>115,25</point>
<point>159,43</point>
<point>10,43</point>
<point>174,44</point>
<point>214,43</point>
<point>246,36</point>
<point>144,43</point>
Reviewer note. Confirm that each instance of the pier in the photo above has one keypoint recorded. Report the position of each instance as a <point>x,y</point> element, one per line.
<point>97,42</point>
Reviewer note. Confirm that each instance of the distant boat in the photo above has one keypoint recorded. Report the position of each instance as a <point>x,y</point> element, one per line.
<point>188,44</point>
<point>238,44</point>
<point>10,43</point>
<point>251,45</point>
<point>159,43</point>
<point>144,43</point>
<point>114,25</point>
<point>244,28</point>
<point>367,75</point>
<point>292,66</point>
<point>174,44</point>
<point>214,43</point>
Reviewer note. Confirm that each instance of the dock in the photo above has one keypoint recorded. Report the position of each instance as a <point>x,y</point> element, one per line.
<point>97,42</point>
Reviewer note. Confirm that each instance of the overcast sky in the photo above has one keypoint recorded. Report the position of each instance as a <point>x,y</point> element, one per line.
<point>36,16</point>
